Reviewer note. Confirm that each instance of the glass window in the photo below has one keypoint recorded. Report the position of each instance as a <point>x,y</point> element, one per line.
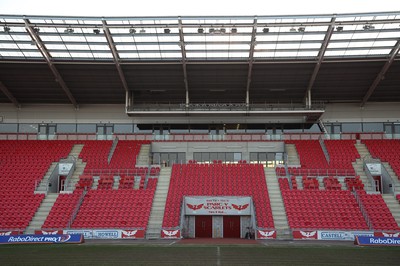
<point>205,157</point>
<point>313,129</point>
<point>388,128</point>
<point>372,127</point>
<point>197,156</point>
<point>351,127</point>
<point>123,128</point>
<point>28,128</point>
<point>8,128</point>
<point>396,128</point>
<point>66,128</point>
<point>253,157</point>
<point>86,128</point>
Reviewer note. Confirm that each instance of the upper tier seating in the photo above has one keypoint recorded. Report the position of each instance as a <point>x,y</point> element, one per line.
<point>321,209</point>
<point>341,153</point>
<point>123,161</point>
<point>313,162</point>
<point>218,180</point>
<point>122,208</point>
<point>386,151</point>
<point>378,212</point>
<point>22,166</point>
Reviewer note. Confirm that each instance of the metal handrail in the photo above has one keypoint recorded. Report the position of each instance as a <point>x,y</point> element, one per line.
<point>362,208</point>
<point>77,207</point>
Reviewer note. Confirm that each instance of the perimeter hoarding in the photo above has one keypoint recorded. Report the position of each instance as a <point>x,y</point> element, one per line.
<point>108,233</point>
<point>329,234</point>
<point>377,241</point>
<point>42,239</point>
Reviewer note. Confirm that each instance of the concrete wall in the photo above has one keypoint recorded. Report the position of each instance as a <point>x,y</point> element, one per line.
<point>243,147</point>
<point>371,112</point>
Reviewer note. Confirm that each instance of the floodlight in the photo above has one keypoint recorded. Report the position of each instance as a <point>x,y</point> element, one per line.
<point>301,29</point>
<point>69,30</point>
<point>6,29</point>
<point>167,31</point>
<point>234,30</point>
<point>339,28</point>
<point>132,31</point>
<point>200,30</point>
<point>265,30</point>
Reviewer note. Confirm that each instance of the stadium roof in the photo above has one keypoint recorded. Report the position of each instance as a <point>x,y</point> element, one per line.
<point>251,60</point>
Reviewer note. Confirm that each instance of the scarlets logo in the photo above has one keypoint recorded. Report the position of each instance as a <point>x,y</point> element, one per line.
<point>128,233</point>
<point>308,234</point>
<point>50,232</point>
<point>390,235</point>
<point>5,233</point>
<point>194,207</point>
<point>266,234</point>
<point>240,207</point>
<point>170,234</point>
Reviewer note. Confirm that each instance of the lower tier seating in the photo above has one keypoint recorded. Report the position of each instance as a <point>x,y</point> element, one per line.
<point>62,210</point>
<point>321,209</point>
<point>17,209</point>
<point>378,212</point>
<point>122,208</point>
<point>218,180</point>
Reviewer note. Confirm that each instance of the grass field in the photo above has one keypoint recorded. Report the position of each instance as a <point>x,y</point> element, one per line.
<point>195,255</point>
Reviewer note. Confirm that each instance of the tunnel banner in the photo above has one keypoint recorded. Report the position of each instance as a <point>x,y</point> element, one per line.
<point>217,205</point>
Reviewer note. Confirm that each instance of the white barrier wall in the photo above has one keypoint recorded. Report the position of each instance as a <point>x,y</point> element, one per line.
<point>115,113</point>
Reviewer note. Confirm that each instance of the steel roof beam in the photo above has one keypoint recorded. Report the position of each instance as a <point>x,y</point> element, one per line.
<point>9,95</point>
<point>184,60</point>
<point>251,60</point>
<point>320,58</point>
<point>46,55</point>
<point>381,74</point>
<point>115,55</point>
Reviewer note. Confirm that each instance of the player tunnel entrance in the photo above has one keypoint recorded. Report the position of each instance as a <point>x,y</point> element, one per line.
<point>218,217</point>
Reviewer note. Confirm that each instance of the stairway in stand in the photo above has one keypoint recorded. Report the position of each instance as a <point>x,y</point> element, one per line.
<point>293,156</point>
<point>359,168</point>
<point>277,206</point>
<point>393,205</point>
<point>79,167</point>
<point>143,156</point>
<point>41,213</point>
<point>157,210</point>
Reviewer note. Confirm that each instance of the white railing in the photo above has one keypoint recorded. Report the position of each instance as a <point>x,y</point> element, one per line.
<point>363,211</point>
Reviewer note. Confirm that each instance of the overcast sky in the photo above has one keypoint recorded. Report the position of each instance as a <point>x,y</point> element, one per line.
<point>191,7</point>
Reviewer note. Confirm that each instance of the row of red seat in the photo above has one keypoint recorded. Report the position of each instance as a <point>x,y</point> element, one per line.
<point>22,166</point>
<point>378,212</point>
<point>218,180</point>
<point>321,209</point>
<point>386,151</point>
<point>125,208</point>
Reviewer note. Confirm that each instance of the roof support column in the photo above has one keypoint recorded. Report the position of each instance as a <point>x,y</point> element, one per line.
<point>184,60</point>
<point>251,60</point>
<point>35,37</point>
<point>320,58</point>
<point>115,55</point>
<point>9,95</point>
<point>382,73</point>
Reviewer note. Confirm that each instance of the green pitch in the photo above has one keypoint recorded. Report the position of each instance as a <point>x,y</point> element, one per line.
<point>195,255</point>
